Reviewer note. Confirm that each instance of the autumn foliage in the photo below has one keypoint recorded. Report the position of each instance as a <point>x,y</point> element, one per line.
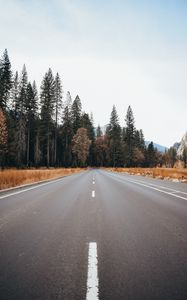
<point>12,177</point>
<point>81,145</point>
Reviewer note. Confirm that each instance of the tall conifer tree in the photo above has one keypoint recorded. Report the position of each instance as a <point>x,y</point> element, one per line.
<point>76,114</point>
<point>5,80</point>
<point>58,108</point>
<point>129,136</point>
<point>47,110</point>
<point>114,133</point>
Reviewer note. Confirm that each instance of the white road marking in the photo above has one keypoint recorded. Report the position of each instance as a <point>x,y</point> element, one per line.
<point>93,194</point>
<point>151,187</point>
<point>31,188</point>
<point>92,279</point>
<point>161,191</point>
<point>162,187</point>
<point>93,182</point>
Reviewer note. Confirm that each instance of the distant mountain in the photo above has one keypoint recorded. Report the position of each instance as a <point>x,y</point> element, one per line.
<point>183,144</point>
<point>157,146</point>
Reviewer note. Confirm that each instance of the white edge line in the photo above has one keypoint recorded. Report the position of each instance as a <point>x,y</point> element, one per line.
<point>152,184</point>
<point>92,277</point>
<point>32,188</point>
<point>150,187</point>
<point>161,186</point>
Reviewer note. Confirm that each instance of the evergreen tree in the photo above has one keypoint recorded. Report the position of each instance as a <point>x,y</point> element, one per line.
<point>138,149</point>
<point>15,94</point>
<point>22,97</point>
<point>129,137</point>
<point>114,133</point>
<point>87,123</point>
<point>31,115</point>
<point>5,80</point>
<point>76,114</point>
<point>98,131</point>
<point>151,155</point>
<point>58,107</point>
<point>47,97</point>
<point>67,131</point>
<point>20,122</point>
<point>141,140</point>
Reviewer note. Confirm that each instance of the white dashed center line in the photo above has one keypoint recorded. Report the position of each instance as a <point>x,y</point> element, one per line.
<point>92,279</point>
<point>93,194</point>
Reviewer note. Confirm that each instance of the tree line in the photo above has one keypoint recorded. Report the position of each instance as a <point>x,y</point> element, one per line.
<point>45,128</point>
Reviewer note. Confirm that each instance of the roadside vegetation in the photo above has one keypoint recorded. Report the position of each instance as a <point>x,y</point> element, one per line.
<point>12,177</point>
<point>161,173</point>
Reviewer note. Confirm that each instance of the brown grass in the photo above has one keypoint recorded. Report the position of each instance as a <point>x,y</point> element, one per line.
<point>162,173</point>
<point>12,177</point>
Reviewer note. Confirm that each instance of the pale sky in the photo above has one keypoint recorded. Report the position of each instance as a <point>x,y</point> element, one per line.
<point>130,52</point>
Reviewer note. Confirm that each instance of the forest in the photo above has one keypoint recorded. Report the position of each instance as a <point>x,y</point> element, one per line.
<point>45,128</point>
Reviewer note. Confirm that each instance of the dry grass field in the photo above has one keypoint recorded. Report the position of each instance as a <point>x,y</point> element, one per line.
<point>162,173</point>
<point>12,177</point>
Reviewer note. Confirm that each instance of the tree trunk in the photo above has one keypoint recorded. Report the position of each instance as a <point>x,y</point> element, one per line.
<point>28,146</point>
<point>48,146</point>
<point>55,150</point>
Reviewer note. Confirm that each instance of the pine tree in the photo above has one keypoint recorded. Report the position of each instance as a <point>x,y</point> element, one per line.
<point>31,115</point>
<point>98,131</point>
<point>114,133</point>
<point>129,136</point>
<point>58,107</point>
<point>138,149</point>
<point>87,123</point>
<point>20,121</point>
<point>67,131</point>
<point>5,80</point>
<point>47,97</point>
<point>142,140</point>
<point>37,148</point>
<point>22,98</point>
<point>15,94</point>
<point>151,155</point>
<point>76,114</point>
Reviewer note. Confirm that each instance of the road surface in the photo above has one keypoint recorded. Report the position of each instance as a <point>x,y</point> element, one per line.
<point>95,235</point>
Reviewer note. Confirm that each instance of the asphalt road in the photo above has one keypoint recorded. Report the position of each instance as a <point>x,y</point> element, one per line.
<point>136,226</point>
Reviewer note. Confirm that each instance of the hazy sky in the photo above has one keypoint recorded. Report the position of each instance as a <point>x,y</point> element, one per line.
<point>130,52</point>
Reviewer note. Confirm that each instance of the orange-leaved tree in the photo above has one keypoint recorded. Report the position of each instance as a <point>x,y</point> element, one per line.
<point>81,145</point>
